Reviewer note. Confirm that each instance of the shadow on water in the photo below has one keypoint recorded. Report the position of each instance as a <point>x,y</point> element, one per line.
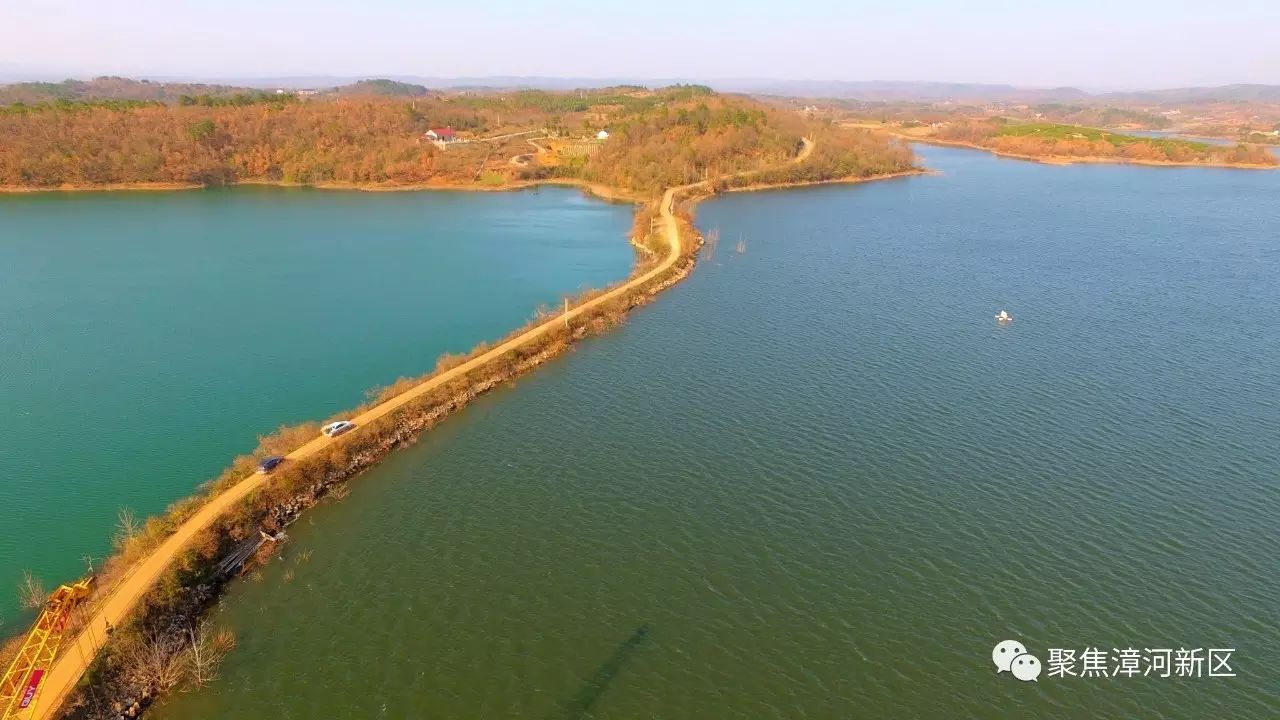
<point>580,707</point>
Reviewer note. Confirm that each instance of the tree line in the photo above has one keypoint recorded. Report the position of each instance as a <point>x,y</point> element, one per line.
<point>239,99</point>
<point>1045,140</point>
<point>675,136</point>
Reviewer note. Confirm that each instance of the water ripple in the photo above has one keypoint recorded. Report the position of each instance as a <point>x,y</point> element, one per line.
<point>828,485</point>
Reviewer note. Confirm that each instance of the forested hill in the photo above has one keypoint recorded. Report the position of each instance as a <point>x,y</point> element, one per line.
<point>388,88</point>
<point>108,88</point>
<point>118,88</point>
<point>651,140</point>
<point>1049,140</point>
<point>105,89</point>
<point>1223,93</point>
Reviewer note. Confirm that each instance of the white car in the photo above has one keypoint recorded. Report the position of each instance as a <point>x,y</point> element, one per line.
<point>334,429</point>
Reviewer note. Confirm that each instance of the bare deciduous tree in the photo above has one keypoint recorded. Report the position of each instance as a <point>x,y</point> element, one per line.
<point>156,661</point>
<point>31,591</point>
<point>127,526</point>
<point>208,648</point>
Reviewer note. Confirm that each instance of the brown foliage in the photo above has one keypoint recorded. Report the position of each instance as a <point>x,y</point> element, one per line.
<point>343,141</point>
<point>157,661</point>
<point>678,138</point>
<point>693,141</point>
<point>1066,142</point>
<point>839,154</point>
<point>151,660</point>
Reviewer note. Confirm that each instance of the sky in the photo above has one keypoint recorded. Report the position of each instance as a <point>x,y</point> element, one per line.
<point>1093,44</point>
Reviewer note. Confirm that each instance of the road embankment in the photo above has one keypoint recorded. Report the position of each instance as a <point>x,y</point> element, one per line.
<point>170,587</point>
<point>311,469</point>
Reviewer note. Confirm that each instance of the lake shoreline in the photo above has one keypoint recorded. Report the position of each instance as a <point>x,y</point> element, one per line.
<point>1079,160</point>
<point>1054,159</point>
<point>219,520</point>
<point>501,562</point>
<point>604,192</point>
<point>163,577</point>
<point>853,180</point>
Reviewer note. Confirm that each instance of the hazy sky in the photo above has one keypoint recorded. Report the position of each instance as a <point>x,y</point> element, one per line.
<point>1089,43</point>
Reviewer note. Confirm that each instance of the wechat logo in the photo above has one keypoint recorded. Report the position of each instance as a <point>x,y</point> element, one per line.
<point>1012,656</point>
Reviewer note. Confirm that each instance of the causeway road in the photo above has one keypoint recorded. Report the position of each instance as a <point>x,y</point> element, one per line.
<point>70,667</point>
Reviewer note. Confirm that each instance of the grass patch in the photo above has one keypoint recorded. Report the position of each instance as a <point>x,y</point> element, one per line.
<point>1054,131</point>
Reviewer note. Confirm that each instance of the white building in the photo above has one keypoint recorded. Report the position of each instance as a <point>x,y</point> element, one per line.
<point>441,135</point>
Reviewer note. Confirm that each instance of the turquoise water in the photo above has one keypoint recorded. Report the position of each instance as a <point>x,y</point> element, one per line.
<point>816,480</point>
<point>148,338</point>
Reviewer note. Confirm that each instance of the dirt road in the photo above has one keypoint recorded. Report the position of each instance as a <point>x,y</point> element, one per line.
<point>68,669</point>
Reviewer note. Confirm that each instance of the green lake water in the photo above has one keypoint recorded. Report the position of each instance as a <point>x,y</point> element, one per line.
<point>148,338</point>
<point>816,480</point>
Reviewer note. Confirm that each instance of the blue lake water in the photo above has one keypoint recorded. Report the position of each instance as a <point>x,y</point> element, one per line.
<point>816,479</point>
<point>148,338</point>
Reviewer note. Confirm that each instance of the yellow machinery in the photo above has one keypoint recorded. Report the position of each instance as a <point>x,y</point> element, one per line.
<point>21,682</point>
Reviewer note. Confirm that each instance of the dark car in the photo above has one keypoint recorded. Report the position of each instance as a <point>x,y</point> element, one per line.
<point>269,464</point>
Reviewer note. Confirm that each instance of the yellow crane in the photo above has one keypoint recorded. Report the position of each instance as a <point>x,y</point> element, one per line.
<point>20,686</point>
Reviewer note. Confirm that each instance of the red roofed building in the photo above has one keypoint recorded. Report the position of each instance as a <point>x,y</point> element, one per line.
<point>444,134</point>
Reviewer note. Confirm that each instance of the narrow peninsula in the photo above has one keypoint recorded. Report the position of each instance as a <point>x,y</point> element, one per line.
<point>663,150</point>
<point>1063,144</point>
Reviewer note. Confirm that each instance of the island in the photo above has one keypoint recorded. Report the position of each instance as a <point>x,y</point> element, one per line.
<point>1228,126</point>
<point>1051,142</point>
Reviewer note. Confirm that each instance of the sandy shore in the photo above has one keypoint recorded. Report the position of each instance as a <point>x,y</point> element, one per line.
<point>1094,159</point>
<point>105,187</point>
<point>603,192</point>
<point>841,181</point>
<point>1064,159</point>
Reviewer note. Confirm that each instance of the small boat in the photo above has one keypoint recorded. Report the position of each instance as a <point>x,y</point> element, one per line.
<point>1003,317</point>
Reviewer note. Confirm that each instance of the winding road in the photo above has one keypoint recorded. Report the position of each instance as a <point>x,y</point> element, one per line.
<point>68,669</point>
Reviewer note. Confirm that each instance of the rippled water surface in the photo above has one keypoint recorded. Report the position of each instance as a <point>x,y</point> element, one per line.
<point>817,481</point>
<point>148,338</point>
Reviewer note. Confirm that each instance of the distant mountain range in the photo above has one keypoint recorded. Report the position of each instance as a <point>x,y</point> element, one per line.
<point>1222,93</point>
<point>106,88</point>
<point>166,88</point>
<point>978,92</point>
<point>886,91</point>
